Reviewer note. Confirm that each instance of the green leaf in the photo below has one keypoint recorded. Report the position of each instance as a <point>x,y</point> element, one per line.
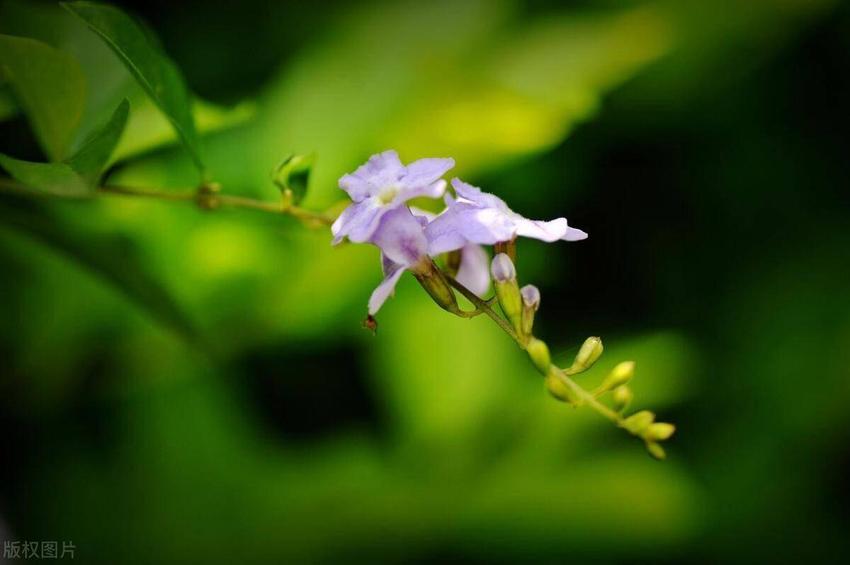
<point>79,174</point>
<point>93,155</point>
<point>148,63</point>
<point>8,107</point>
<point>50,87</point>
<point>59,179</point>
<point>109,257</point>
<point>292,176</point>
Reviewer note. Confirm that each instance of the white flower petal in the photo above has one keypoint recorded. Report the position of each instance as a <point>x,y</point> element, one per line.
<point>384,290</point>
<point>474,270</point>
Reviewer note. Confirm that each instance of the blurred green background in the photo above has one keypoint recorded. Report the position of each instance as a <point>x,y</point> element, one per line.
<point>244,416</point>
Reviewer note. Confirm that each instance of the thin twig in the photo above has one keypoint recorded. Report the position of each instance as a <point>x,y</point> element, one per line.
<point>211,199</point>
<point>484,306</point>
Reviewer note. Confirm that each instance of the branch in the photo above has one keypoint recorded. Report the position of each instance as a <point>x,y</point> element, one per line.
<point>206,197</point>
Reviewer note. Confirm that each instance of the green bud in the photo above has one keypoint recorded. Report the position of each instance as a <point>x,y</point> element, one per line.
<point>538,352</point>
<point>560,390</point>
<point>507,289</point>
<point>292,176</point>
<point>590,351</point>
<point>656,450</point>
<point>530,303</point>
<point>435,284</point>
<point>620,375</point>
<point>622,397</point>
<point>638,422</point>
<point>659,431</point>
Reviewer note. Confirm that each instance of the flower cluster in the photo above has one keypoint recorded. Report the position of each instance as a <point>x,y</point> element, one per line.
<point>411,239</point>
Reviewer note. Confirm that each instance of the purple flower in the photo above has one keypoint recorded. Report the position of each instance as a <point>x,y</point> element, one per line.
<point>401,238</point>
<point>478,217</point>
<point>383,184</point>
<point>474,269</point>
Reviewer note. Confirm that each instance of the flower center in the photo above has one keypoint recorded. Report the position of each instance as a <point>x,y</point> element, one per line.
<point>388,194</point>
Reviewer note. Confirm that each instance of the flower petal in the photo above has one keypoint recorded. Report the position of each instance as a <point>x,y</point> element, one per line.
<point>474,270</point>
<point>476,196</point>
<point>574,234</point>
<point>379,171</point>
<point>544,231</point>
<point>384,290</point>
<point>359,221</point>
<point>433,190</point>
<point>401,237</point>
<point>443,235</point>
<point>425,171</point>
<point>486,226</point>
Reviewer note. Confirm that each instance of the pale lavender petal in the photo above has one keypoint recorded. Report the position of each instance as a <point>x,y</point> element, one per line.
<point>485,226</point>
<point>544,231</point>
<point>384,291</point>
<point>426,171</point>
<point>422,215</point>
<point>474,270</point>
<point>433,190</point>
<point>359,221</point>
<point>574,234</point>
<point>401,237</point>
<point>443,234</point>
<point>388,266</point>
<point>502,268</point>
<point>378,172</point>
<point>530,296</point>
<point>479,197</point>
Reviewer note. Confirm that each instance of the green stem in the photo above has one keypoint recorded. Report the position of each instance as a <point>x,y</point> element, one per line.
<point>226,200</point>
<point>585,396</point>
<point>484,306</point>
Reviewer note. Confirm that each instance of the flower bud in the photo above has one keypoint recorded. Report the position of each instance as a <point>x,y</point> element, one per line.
<point>656,450</point>
<point>530,304</point>
<point>659,431</point>
<point>638,422</point>
<point>620,375</point>
<point>507,290</point>
<point>560,390</point>
<point>538,352</point>
<point>590,351</point>
<point>502,268</point>
<point>622,397</point>
<point>433,282</point>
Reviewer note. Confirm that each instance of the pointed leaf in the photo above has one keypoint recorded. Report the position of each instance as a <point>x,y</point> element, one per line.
<point>49,86</point>
<point>148,63</point>
<point>51,178</point>
<point>293,175</point>
<point>93,155</point>
<point>78,175</point>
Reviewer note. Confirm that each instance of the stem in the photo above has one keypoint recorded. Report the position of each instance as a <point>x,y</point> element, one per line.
<point>585,396</point>
<point>229,201</point>
<point>484,306</point>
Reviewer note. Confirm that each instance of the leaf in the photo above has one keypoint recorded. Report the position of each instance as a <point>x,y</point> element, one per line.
<point>109,257</point>
<point>149,64</point>
<point>8,107</point>
<point>79,174</point>
<point>90,160</point>
<point>292,176</point>
<point>49,86</point>
<point>50,178</point>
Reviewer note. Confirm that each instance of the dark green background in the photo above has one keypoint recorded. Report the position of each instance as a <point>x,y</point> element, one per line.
<point>703,147</point>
